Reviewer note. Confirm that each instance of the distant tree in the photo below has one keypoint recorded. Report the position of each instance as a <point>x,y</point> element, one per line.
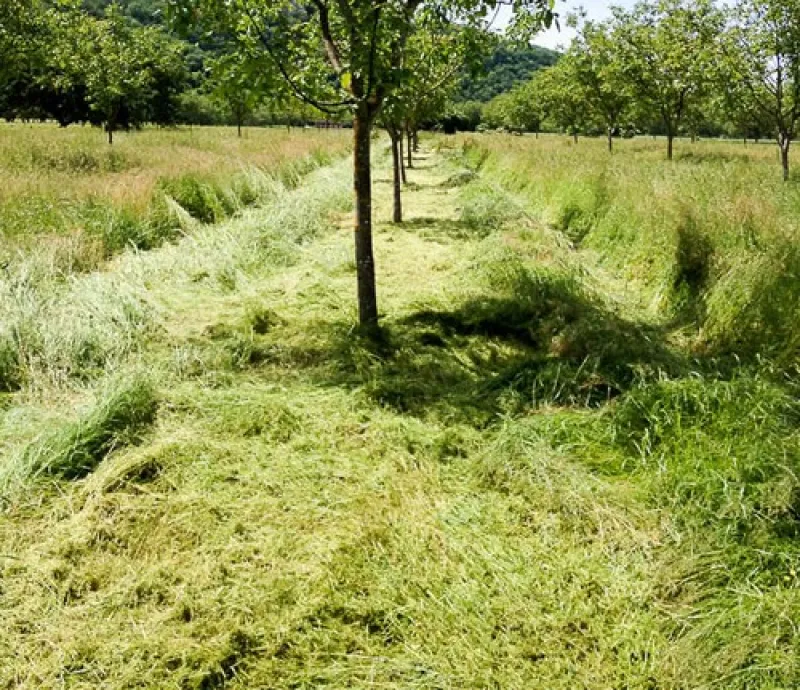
<point>518,110</point>
<point>130,75</point>
<point>23,41</point>
<point>763,59</point>
<point>238,88</point>
<point>462,116</point>
<point>669,56</point>
<point>436,53</point>
<point>561,100</point>
<point>597,66</point>
<point>497,112</point>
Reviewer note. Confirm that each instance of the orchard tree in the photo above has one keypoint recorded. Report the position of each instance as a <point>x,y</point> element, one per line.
<point>497,112</point>
<point>669,52</point>
<point>20,31</point>
<point>130,75</point>
<point>345,54</point>
<point>238,88</point>
<point>23,39</point>
<point>764,58</point>
<point>561,100</point>
<point>525,110</point>
<point>519,110</point>
<point>598,72</point>
<point>435,54</point>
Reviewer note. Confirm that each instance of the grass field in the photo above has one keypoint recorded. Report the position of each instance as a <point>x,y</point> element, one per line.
<point>571,461</point>
<point>67,191</point>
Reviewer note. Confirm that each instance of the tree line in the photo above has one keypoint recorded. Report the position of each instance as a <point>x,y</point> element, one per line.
<point>670,67</point>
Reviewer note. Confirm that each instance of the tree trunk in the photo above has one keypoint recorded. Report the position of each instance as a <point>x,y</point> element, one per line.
<point>362,179</point>
<point>610,140</point>
<point>785,142</point>
<point>416,141</point>
<point>110,131</point>
<point>575,137</point>
<point>410,152</point>
<point>239,128</point>
<point>397,155</point>
<point>403,176</point>
<point>670,145</point>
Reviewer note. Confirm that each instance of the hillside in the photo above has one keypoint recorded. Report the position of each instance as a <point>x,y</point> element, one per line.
<point>507,66</point>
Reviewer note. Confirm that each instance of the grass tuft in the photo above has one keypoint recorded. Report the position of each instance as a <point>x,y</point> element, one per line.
<point>125,410</point>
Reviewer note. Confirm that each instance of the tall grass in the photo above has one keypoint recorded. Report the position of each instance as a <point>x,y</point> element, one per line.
<point>701,256</point>
<point>710,238</point>
<point>68,195</point>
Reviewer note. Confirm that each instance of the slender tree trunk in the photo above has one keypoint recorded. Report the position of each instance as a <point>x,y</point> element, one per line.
<point>575,137</point>
<point>362,178</point>
<point>610,140</point>
<point>416,141</point>
<point>785,142</point>
<point>397,155</point>
<point>410,152</point>
<point>403,176</point>
<point>239,128</point>
<point>670,143</point>
<point>110,131</point>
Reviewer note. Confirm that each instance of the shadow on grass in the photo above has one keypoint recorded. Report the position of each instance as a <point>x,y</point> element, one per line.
<point>547,344</point>
<point>430,228</point>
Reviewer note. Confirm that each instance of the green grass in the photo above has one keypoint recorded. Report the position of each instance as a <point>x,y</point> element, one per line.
<point>540,476</point>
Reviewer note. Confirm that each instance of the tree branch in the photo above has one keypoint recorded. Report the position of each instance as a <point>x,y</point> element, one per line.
<point>334,55</point>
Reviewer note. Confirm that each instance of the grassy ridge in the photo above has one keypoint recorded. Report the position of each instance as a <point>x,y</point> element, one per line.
<point>707,422</point>
<point>710,240</point>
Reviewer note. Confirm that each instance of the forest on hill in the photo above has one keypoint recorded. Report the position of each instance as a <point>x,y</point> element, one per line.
<point>507,66</point>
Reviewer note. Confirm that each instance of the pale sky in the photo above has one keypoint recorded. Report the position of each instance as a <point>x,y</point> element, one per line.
<point>595,10</point>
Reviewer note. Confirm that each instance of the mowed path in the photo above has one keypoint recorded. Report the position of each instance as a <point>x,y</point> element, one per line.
<point>313,511</point>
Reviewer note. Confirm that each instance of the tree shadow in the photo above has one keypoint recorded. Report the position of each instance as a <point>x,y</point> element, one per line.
<point>546,345</point>
<point>430,227</point>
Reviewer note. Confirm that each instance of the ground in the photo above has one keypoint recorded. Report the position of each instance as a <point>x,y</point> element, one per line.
<point>314,510</point>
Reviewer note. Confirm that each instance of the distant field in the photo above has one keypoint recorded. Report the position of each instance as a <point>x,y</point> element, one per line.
<point>92,199</point>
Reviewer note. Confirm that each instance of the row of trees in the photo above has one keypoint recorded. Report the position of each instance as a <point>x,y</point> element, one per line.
<point>117,67</point>
<point>387,63</point>
<point>672,66</point>
<point>62,63</point>
<point>364,57</point>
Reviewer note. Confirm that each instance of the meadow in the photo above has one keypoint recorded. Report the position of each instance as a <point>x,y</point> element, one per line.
<point>571,459</point>
<point>67,193</point>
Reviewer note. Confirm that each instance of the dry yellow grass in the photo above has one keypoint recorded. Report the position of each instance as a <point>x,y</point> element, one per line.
<point>77,163</point>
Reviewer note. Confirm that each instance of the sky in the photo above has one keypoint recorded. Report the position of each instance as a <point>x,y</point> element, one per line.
<point>595,10</point>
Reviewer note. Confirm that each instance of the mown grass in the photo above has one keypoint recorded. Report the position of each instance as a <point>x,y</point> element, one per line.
<point>700,254</point>
<point>67,195</point>
<point>534,479</point>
